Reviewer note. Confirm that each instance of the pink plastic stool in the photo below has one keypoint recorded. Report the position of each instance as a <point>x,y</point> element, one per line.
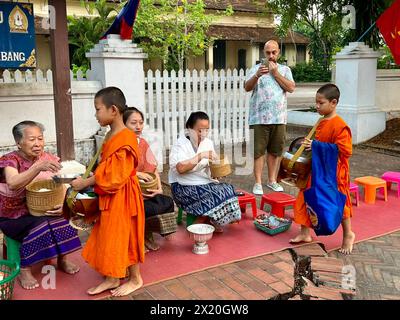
<point>278,201</point>
<point>392,177</point>
<point>354,189</point>
<point>246,199</point>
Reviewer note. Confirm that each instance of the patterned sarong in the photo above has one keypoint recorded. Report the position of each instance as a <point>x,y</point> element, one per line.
<point>217,201</point>
<point>42,238</point>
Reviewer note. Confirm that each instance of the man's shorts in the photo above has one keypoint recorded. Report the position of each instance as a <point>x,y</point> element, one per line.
<point>270,138</point>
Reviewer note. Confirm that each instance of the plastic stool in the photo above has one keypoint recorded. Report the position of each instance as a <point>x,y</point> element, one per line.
<point>354,189</point>
<point>278,201</point>
<point>392,177</point>
<point>11,249</point>
<point>371,184</point>
<point>189,218</point>
<point>246,199</point>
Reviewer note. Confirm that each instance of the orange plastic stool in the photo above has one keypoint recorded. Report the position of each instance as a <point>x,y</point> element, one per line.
<point>278,201</point>
<point>246,199</point>
<point>371,184</point>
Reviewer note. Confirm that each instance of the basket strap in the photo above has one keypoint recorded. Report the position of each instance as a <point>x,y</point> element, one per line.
<point>301,149</point>
<point>87,172</point>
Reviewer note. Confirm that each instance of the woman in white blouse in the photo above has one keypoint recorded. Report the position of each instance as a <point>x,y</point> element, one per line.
<point>193,189</point>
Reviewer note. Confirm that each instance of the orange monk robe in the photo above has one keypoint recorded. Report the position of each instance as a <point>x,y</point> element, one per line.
<point>117,239</point>
<point>335,131</point>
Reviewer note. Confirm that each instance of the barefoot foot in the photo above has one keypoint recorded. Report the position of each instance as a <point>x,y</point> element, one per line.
<point>347,245</point>
<point>301,238</point>
<point>26,279</point>
<point>127,288</point>
<point>151,244</point>
<point>67,266</point>
<point>109,283</point>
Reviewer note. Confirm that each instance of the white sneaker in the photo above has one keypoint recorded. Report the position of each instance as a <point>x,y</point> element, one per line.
<point>275,186</point>
<point>257,189</point>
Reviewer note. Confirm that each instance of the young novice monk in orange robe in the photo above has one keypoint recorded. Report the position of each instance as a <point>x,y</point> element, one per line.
<point>116,242</point>
<point>332,129</point>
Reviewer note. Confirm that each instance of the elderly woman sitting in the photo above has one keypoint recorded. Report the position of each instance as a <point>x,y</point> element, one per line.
<point>193,189</point>
<point>41,238</point>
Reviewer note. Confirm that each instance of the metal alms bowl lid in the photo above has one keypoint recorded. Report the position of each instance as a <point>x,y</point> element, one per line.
<point>289,156</point>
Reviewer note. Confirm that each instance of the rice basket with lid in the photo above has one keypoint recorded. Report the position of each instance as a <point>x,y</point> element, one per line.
<point>43,195</point>
<point>220,168</point>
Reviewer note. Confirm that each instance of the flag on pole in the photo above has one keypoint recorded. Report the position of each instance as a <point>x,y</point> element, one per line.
<point>389,26</point>
<point>123,23</point>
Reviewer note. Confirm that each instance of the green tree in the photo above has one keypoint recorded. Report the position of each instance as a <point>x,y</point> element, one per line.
<point>367,12</point>
<point>320,20</point>
<point>85,32</point>
<point>173,30</point>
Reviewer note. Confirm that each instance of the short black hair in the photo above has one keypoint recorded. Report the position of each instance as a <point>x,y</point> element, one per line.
<point>130,110</point>
<point>112,96</point>
<point>330,91</point>
<point>194,116</point>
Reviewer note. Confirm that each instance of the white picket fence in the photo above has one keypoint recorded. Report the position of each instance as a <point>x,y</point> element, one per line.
<point>38,75</point>
<point>171,97</point>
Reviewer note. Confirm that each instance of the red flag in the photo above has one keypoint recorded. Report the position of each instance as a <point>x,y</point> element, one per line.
<point>389,26</point>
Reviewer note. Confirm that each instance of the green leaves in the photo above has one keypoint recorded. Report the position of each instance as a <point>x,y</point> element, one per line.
<point>319,20</point>
<point>310,72</point>
<point>170,30</point>
<point>173,30</point>
<point>85,32</point>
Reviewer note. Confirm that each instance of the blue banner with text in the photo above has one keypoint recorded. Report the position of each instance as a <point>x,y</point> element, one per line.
<point>17,36</point>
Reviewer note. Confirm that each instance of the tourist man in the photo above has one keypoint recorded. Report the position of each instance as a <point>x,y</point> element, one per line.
<point>269,82</point>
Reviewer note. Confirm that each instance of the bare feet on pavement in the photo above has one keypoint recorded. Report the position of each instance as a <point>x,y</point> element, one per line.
<point>67,266</point>
<point>128,287</point>
<point>347,245</point>
<point>109,283</point>
<point>26,279</point>
<point>301,238</point>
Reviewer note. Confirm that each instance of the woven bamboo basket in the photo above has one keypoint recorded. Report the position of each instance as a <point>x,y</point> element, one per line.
<point>220,168</point>
<point>162,224</point>
<point>152,184</point>
<point>39,202</point>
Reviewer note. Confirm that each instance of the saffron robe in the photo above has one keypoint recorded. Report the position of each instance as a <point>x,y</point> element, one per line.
<point>335,131</point>
<point>117,239</point>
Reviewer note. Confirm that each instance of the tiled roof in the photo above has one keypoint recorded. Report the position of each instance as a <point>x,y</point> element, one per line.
<point>254,34</point>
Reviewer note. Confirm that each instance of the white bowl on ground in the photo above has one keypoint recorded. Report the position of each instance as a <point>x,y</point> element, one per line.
<point>200,233</point>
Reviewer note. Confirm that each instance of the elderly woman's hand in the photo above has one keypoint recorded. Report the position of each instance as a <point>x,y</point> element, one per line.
<point>79,184</point>
<point>47,165</point>
<point>57,210</point>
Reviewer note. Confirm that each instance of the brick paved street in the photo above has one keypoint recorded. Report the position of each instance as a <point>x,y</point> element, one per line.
<point>305,273</point>
<point>272,276</point>
<point>377,261</point>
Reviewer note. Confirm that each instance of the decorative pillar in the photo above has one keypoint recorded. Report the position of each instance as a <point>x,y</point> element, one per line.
<point>356,78</point>
<point>119,63</point>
